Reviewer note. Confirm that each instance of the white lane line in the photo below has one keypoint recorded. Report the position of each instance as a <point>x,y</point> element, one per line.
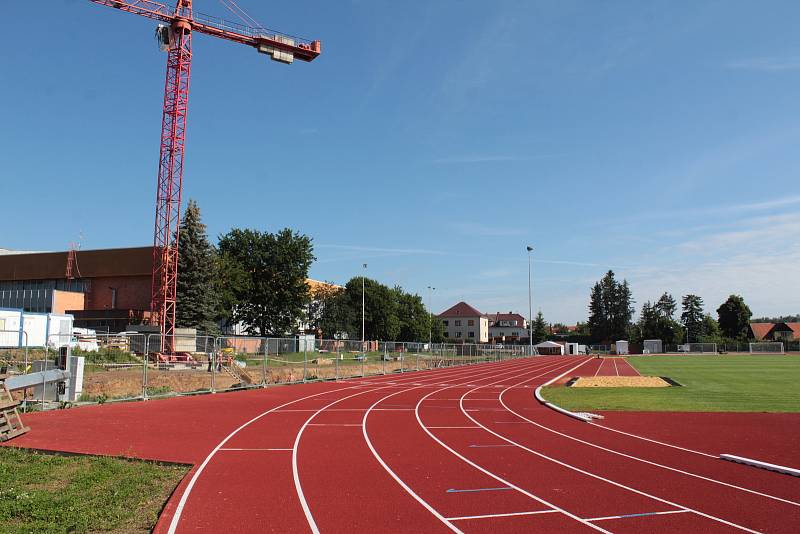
<point>616,369</point>
<point>598,477</point>
<point>499,478</point>
<point>635,370</point>
<point>602,361</point>
<point>173,524</point>
<point>333,424</point>
<point>598,425</point>
<point>176,517</point>
<point>394,475</point>
<point>315,409</point>
<point>511,514</point>
<point>454,427</point>
<point>312,524</point>
<point>649,462</point>
<point>626,516</point>
<point>227,449</point>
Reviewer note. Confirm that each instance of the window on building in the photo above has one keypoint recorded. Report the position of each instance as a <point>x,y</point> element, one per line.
<point>458,323</point>
<point>471,322</point>
<point>446,323</point>
<point>458,334</point>
<point>471,334</point>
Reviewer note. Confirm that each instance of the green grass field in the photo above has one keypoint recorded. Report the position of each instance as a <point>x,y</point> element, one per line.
<point>710,384</point>
<point>56,494</point>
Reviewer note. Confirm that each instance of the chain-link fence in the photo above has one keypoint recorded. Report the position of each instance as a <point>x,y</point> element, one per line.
<point>128,366</point>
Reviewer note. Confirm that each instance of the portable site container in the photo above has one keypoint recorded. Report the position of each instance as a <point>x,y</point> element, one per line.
<point>19,329</point>
<point>9,328</point>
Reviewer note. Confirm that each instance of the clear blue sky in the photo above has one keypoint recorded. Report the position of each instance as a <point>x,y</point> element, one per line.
<point>433,140</point>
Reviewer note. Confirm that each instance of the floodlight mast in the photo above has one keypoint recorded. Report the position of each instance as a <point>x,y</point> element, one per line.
<point>175,37</point>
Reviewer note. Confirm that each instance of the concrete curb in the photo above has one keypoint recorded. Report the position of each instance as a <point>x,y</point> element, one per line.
<point>580,416</point>
<point>761,465</point>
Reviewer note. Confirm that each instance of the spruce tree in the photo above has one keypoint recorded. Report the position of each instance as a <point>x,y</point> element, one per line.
<point>692,316</point>
<point>539,328</point>
<point>666,305</point>
<point>610,309</point>
<point>196,300</point>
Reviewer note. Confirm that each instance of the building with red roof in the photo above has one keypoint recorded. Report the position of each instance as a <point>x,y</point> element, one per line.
<point>464,323</point>
<point>508,328</point>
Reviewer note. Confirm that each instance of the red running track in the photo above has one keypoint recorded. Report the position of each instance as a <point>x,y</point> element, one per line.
<point>461,449</point>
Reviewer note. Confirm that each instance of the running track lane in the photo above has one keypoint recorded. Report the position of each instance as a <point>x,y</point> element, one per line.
<point>669,516</point>
<point>375,499</point>
<point>247,479</point>
<point>725,502</point>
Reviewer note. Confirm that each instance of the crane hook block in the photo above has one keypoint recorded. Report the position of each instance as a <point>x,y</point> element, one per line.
<point>164,37</point>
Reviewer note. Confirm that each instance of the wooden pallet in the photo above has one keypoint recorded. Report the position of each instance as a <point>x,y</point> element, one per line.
<point>11,424</point>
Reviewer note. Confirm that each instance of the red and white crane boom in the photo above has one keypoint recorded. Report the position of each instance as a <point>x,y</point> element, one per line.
<point>180,22</point>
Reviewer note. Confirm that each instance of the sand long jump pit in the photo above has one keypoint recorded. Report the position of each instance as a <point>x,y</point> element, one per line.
<point>622,382</point>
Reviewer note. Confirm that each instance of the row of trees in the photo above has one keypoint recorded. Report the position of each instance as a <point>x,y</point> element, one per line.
<point>258,279</point>
<point>389,313</point>
<point>611,313</point>
<point>251,277</point>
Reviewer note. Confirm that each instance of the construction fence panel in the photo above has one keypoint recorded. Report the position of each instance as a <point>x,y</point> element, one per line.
<point>244,359</point>
<point>192,369</point>
<point>115,366</point>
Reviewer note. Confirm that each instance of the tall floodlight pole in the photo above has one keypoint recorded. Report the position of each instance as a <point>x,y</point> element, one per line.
<point>363,316</point>
<point>430,317</point>
<point>530,303</point>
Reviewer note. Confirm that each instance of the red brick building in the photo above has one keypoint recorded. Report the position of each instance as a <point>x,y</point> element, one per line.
<point>110,288</point>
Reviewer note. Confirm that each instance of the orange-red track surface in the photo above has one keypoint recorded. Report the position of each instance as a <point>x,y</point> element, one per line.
<point>464,449</point>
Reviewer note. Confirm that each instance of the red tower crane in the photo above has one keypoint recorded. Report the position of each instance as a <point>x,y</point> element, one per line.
<point>175,35</point>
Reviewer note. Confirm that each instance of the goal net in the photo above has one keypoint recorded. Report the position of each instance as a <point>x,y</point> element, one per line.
<point>772,347</point>
<point>701,348</point>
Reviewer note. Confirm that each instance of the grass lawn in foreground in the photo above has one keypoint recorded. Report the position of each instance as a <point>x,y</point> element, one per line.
<point>710,384</point>
<point>45,493</point>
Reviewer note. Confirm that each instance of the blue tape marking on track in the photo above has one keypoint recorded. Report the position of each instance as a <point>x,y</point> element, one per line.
<point>636,515</point>
<point>477,489</point>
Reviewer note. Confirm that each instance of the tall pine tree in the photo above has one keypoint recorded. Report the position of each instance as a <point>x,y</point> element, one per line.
<point>196,299</point>
<point>610,309</point>
<point>692,317</point>
<point>539,328</point>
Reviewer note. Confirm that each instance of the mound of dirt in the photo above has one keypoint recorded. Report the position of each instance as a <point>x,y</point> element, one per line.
<point>620,382</point>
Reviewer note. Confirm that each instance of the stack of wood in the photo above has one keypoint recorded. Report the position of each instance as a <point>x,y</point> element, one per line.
<point>11,424</point>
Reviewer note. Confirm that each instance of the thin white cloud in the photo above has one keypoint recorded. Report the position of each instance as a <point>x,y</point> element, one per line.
<point>400,251</point>
<point>484,230</point>
<point>766,64</point>
<point>493,158</point>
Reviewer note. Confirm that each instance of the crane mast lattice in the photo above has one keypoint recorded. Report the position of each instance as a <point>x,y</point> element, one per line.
<point>178,23</point>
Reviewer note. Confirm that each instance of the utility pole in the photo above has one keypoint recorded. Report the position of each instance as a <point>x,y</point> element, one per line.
<point>363,315</point>
<point>530,303</point>
<point>430,317</point>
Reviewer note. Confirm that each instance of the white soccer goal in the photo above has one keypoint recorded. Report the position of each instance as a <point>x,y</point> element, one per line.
<point>766,347</point>
<point>698,348</point>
